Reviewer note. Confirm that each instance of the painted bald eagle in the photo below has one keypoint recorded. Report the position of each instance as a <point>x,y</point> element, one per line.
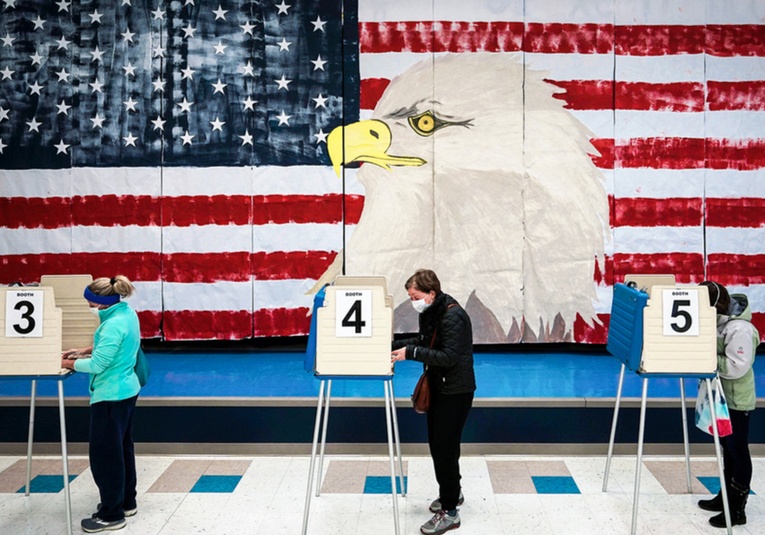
<point>486,183</point>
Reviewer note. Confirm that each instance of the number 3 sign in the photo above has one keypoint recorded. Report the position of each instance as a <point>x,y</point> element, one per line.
<point>680,312</point>
<point>24,314</point>
<point>353,313</point>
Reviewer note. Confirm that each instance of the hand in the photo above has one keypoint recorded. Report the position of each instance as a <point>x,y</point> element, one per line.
<point>71,354</point>
<point>67,363</point>
<point>399,354</point>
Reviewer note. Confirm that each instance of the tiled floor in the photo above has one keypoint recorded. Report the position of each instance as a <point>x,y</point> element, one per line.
<point>265,495</point>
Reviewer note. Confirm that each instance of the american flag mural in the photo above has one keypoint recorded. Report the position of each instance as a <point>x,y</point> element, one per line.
<point>184,143</point>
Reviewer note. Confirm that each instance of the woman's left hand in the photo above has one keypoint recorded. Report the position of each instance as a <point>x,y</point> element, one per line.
<point>67,363</point>
<point>399,354</point>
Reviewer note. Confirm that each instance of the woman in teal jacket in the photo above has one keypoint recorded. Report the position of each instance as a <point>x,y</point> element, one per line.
<point>114,390</point>
<point>737,340</point>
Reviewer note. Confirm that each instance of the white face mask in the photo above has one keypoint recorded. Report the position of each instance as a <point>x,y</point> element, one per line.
<point>94,311</point>
<point>420,305</point>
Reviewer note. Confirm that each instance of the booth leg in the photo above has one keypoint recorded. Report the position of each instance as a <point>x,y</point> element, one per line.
<point>64,457</point>
<point>323,437</point>
<point>723,488</point>
<point>309,489</point>
<point>685,436</point>
<point>394,494</point>
<point>397,439</point>
<point>613,428</point>
<point>639,465</point>
<point>30,439</point>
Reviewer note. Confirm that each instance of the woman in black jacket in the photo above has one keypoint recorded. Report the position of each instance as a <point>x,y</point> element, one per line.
<point>445,347</point>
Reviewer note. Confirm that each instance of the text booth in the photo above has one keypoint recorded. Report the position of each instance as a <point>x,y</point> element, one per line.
<point>662,330</point>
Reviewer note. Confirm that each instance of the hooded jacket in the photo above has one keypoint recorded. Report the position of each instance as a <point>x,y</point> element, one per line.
<point>450,359</point>
<point>737,340</point>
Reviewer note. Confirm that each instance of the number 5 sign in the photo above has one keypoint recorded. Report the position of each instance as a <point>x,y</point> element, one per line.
<point>680,312</point>
<point>24,314</point>
<point>353,313</point>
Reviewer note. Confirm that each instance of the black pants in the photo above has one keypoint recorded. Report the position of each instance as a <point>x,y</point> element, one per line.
<point>446,419</point>
<point>112,456</point>
<point>737,460</point>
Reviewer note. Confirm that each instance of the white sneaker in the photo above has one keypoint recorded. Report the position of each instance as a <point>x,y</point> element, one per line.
<point>440,523</point>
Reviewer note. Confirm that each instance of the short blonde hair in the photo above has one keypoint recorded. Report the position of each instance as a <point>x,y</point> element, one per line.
<point>116,285</point>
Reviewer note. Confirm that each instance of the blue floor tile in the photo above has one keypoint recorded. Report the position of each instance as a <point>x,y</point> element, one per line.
<point>47,484</point>
<point>555,485</point>
<point>712,483</point>
<point>216,484</point>
<point>381,485</point>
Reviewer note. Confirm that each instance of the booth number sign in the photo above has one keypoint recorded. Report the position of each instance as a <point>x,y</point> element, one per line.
<point>681,312</point>
<point>24,314</point>
<point>353,313</point>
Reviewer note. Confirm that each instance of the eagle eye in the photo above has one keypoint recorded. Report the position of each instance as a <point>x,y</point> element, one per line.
<point>426,123</point>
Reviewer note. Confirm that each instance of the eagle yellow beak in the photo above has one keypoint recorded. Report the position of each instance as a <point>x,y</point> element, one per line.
<point>365,141</point>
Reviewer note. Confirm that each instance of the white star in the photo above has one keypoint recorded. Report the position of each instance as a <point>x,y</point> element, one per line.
<point>130,104</point>
<point>219,87</point>
<point>129,70</point>
<point>159,85</point>
<point>321,137</point>
<point>189,2</point>
<point>8,40</point>
<point>220,13</point>
<point>2,145</point>
<point>63,43</point>
<point>36,58</point>
<point>189,31</point>
<point>4,114</point>
<point>284,45</point>
<point>35,87</point>
<point>219,49</point>
<point>61,147</point>
<point>185,105</point>
<point>158,14</point>
<point>283,83</point>
<point>7,72</point>
<point>158,123</point>
<point>63,5</point>
<point>158,51</point>
<point>246,138</point>
<point>321,101</point>
<point>34,125</point>
<point>97,55</point>
<point>127,35</point>
<point>318,63</point>
<point>39,23</point>
<point>96,87</point>
<point>249,104</point>
<point>318,24</point>
<point>248,69</point>
<point>10,3</point>
<point>283,7</point>
<point>63,76</point>
<point>246,28</point>
<point>217,124</point>
<point>95,17</point>
<point>63,108</point>
<point>187,138</point>
<point>126,3</point>
<point>284,118</point>
<point>98,121</point>
<point>130,140</point>
<point>188,72</point>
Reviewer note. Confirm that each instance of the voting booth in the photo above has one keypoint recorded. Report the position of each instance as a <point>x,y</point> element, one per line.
<point>78,324</point>
<point>350,339</point>
<point>659,329</point>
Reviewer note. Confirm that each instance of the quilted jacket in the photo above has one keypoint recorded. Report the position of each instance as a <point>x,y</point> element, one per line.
<point>450,359</point>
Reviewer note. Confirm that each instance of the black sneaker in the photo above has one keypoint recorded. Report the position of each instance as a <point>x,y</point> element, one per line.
<point>95,524</point>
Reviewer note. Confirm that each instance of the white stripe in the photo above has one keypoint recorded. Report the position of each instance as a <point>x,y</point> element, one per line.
<point>648,240</point>
<point>735,124</point>
<point>116,239</point>
<point>207,238</point>
<point>659,183</point>
<point>570,11</point>
<point>638,124</point>
<point>746,241</point>
<point>298,237</point>
<point>572,66</point>
<point>659,69</point>
<point>599,122</point>
<point>388,65</point>
<point>303,180</point>
<point>419,10</point>
<point>685,12</point>
<point>147,296</point>
<point>729,183</point>
<point>736,68</point>
<point>290,293</point>
<point>34,241</point>
<point>36,183</point>
<point>117,181</point>
<point>207,181</point>
<point>220,295</point>
<point>738,12</point>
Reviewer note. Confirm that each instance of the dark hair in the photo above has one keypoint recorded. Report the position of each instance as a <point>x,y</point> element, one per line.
<point>424,280</point>
<point>718,296</point>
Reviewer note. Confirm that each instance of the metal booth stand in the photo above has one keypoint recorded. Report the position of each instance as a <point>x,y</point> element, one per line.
<point>349,339</point>
<point>671,334</point>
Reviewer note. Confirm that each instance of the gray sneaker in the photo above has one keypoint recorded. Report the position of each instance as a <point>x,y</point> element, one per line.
<point>440,523</point>
<point>436,505</point>
<point>95,524</point>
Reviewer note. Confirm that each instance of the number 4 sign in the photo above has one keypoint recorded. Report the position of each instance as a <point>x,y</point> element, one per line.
<point>680,312</point>
<point>24,314</point>
<point>353,313</point>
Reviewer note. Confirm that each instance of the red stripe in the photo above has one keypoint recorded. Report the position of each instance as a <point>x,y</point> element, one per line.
<point>370,92</point>
<point>151,323</point>
<point>736,269</point>
<point>670,212</point>
<point>758,320</point>
<point>736,95</point>
<point>184,210</point>
<point>687,267</point>
<point>742,155</point>
<point>206,267</point>
<point>282,209</point>
<point>595,334</point>
<point>282,321</point>
<point>561,38</point>
<point>291,265</point>
<point>746,212</point>
<point>29,268</point>
<point>207,325</point>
